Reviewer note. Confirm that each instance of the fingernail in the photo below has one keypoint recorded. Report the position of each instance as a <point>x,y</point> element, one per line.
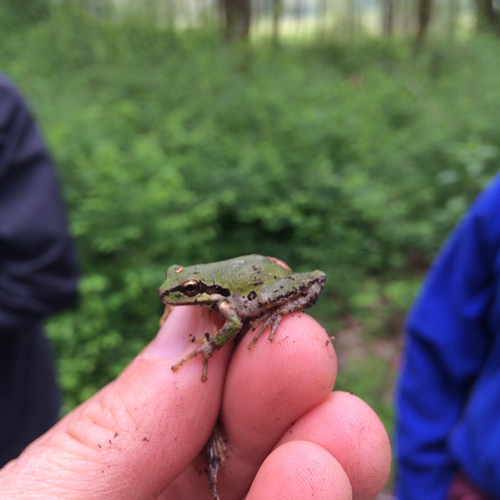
<point>175,335</point>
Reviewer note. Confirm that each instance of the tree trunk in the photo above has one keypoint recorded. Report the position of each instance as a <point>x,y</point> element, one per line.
<point>351,21</point>
<point>453,11</point>
<point>277,11</point>
<point>487,17</point>
<point>424,18</point>
<point>407,15</point>
<point>237,15</point>
<point>388,17</point>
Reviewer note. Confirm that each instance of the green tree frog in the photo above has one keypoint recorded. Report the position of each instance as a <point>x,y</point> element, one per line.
<point>243,291</point>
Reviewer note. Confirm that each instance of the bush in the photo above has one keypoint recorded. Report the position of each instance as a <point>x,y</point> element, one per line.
<point>173,148</point>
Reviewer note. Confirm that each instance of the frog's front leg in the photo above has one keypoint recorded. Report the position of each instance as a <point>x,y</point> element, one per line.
<point>232,325</point>
<point>205,349</point>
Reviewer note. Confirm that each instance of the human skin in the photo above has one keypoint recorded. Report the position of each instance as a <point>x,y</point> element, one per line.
<point>288,435</point>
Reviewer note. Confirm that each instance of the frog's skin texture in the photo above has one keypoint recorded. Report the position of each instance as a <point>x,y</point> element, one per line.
<point>245,290</point>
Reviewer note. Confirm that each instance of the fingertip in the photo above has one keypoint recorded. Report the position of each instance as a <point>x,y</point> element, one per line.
<point>298,362</point>
<point>176,333</point>
<point>300,345</point>
<point>363,442</point>
<point>300,470</point>
<point>351,431</point>
<point>375,445</point>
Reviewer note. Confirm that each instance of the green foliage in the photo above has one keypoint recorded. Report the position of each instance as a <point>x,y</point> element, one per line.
<point>17,13</point>
<point>173,148</point>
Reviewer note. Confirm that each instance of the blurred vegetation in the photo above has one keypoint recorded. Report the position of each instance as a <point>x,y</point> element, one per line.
<point>175,148</point>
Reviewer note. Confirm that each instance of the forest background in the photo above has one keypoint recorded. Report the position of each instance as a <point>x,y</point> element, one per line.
<point>342,135</point>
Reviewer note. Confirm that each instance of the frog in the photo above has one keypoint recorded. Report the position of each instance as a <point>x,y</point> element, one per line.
<point>245,292</point>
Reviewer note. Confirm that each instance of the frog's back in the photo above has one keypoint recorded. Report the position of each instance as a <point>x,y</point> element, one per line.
<point>253,269</point>
<point>230,265</point>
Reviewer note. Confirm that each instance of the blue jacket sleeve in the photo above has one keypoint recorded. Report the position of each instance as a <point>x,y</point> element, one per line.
<point>38,263</point>
<point>447,339</point>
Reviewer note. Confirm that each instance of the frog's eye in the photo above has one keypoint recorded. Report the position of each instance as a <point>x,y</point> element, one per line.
<point>191,287</point>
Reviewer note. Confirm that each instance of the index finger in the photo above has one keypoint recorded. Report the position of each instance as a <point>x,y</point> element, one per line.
<point>267,389</point>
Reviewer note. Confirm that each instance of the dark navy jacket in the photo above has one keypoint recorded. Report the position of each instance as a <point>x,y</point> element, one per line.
<point>38,276</point>
<point>448,399</point>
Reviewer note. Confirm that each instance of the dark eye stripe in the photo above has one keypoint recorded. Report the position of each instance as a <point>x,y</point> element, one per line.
<point>216,289</point>
<point>192,287</point>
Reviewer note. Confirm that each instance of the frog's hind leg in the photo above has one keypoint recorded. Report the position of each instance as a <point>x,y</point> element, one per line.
<point>274,317</point>
<point>215,451</point>
<point>273,320</point>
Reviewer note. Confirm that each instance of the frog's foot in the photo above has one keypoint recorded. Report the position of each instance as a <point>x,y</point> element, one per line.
<point>272,318</point>
<point>271,321</point>
<point>206,349</point>
<point>214,456</point>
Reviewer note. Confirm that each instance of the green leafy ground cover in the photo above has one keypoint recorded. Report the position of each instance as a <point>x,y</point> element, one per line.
<point>173,148</point>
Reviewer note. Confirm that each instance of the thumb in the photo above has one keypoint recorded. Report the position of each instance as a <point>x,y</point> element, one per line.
<point>136,435</point>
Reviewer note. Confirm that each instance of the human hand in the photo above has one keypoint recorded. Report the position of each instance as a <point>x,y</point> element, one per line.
<point>140,437</point>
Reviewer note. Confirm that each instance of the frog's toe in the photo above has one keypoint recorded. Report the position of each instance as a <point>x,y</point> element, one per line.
<point>273,322</point>
<point>206,350</point>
